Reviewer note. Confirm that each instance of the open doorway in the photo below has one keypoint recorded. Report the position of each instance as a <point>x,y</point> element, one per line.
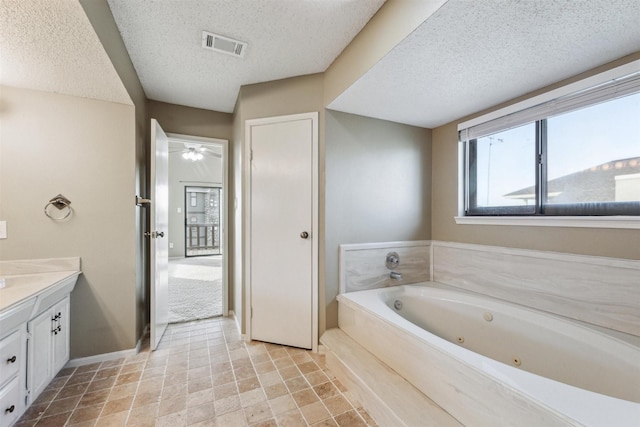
<point>197,228</point>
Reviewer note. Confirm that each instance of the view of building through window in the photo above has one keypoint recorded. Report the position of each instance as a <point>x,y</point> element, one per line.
<point>593,155</point>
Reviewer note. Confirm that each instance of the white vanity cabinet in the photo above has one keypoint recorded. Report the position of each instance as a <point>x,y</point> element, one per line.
<point>48,346</point>
<point>12,366</point>
<point>34,329</point>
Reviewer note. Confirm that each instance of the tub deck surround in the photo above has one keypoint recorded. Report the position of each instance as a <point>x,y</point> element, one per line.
<point>472,388</point>
<point>597,290</point>
<point>362,265</point>
<point>390,399</point>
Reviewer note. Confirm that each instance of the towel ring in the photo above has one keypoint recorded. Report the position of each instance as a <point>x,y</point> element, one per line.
<point>61,203</point>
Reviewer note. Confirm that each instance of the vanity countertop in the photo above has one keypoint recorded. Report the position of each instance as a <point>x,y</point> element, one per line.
<point>23,279</point>
<point>17,288</point>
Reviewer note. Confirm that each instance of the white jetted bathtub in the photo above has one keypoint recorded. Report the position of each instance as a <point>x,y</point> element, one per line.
<point>492,363</point>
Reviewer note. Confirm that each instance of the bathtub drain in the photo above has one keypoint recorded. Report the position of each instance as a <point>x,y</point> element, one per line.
<point>397,304</point>
<point>460,339</point>
<point>517,361</point>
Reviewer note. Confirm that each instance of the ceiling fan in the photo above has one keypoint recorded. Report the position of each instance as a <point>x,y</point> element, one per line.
<point>194,151</point>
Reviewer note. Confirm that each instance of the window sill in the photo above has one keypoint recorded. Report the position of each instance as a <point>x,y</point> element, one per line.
<point>628,222</point>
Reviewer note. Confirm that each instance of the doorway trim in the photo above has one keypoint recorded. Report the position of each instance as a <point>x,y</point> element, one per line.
<point>314,220</point>
<point>177,137</point>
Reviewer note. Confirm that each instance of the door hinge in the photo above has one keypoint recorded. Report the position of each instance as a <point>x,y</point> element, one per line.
<point>539,159</point>
<point>251,314</point>
<point>250,155</point>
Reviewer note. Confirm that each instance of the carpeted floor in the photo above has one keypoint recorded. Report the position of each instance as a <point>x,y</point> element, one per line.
<point>195,288</point>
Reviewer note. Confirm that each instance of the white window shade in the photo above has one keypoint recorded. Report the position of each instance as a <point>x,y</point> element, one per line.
<point>611,89</point>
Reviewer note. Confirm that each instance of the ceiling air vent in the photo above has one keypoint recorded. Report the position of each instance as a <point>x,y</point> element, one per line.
<point>223,44</point>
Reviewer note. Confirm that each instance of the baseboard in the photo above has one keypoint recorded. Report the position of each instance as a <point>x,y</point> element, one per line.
<point>105,357</point>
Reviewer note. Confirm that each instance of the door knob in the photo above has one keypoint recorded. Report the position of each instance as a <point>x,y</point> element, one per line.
<point>304,235</point>
<point>154,234</point>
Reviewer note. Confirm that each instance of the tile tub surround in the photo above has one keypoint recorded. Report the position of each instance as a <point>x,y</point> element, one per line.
<point>362,265</point>
<point>597,290</point>
<point>202,374</point>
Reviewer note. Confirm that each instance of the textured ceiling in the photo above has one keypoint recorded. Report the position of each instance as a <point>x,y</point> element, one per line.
<point>471,55</point>
<point>50,45</point>
<point>286,38</point>
<point>466,57</point>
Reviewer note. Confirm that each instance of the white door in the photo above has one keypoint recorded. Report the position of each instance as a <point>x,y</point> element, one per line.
<point>283,226</point>
<point>159,226</point>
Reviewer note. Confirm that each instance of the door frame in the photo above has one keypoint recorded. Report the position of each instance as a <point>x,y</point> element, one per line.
<point>224,143</point>
<point>314,220</point>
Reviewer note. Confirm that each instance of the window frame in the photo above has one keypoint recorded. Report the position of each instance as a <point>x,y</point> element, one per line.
<point>541,209</point>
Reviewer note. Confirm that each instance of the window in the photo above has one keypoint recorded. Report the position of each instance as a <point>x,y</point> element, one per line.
<point>578,154</point>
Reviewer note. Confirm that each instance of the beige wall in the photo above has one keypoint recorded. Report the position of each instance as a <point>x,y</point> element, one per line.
<point>191,121</point>
<point>83,149</point>
<point>378,188</point>
<point>105,27</point>
<point>588,241</point>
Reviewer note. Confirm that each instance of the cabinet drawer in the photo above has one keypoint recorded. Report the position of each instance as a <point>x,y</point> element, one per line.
<point>10,406</point>
<point>10,355</point>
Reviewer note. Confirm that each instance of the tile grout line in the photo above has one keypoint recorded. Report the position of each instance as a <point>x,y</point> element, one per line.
<point>200,338</point>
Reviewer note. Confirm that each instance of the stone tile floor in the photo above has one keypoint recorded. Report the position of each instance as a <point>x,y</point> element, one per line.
<point>202,374</point>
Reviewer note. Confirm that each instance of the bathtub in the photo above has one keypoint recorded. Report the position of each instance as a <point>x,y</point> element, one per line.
<point>489,362</point>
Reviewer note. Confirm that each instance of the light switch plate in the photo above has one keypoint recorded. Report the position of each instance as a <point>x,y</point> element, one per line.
<point>3,229</point>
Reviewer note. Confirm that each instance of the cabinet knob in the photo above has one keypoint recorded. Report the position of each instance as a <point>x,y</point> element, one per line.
<point>10,409</point>
<point>11,359</point>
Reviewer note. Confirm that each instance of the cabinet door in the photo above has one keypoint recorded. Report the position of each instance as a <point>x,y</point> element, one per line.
<point>39,370</point>
<point>60,335</point>
<point>10,403</point>
<point>10,356</point>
